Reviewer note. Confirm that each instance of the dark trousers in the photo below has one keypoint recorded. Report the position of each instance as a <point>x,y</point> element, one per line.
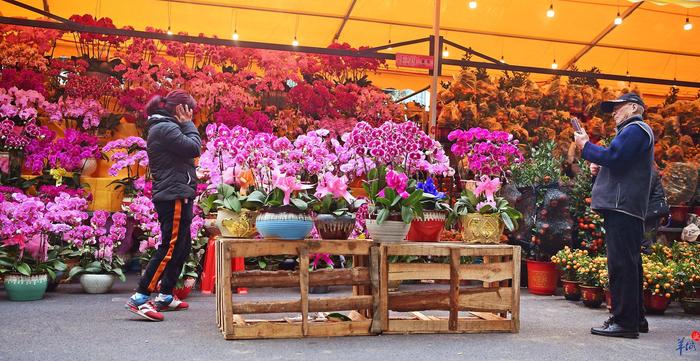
<point>623,239</point>
<point>175,218</point>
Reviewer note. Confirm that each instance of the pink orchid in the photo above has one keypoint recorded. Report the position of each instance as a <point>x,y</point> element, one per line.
<point>398,182</point>
<point>336,186</point>
<point>325,257</point>
<point>488,187</point>
<point>287,184</point>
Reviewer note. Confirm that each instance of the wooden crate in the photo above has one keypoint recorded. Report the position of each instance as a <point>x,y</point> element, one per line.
<point>364,279</point>
<point>493,307</point>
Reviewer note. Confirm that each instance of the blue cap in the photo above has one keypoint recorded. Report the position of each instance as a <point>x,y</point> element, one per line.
<point>608,105</point>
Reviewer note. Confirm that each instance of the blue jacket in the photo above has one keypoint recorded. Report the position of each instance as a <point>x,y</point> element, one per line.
<point>624,181</point>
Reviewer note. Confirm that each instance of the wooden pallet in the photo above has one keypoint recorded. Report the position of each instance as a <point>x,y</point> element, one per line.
<point>361,304</point>
<point>495,307</point>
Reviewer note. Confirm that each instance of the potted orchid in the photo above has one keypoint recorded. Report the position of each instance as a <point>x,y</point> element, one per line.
<point>98,264</point>
<point>334,207</point>
<point>436,209</point>
<point>127,154</point>
<point>237,208</point>
<point>285,211</point>
<point>483,215</point>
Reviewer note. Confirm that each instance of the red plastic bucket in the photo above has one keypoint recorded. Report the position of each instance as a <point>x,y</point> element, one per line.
<point>542,277</point>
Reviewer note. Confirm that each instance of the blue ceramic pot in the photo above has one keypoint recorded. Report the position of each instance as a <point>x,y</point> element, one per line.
<point>286,226</point>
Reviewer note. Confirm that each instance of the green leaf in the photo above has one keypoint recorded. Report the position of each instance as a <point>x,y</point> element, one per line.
<point>384,201</point>
<point>120,274</point>
<point>233,203</point>
<point>382,216</point>
<point>507,221</point>
<point>75,271</point>
<point>51,273</point>
<point>406,214</point>
<point>59,266</point>
<point>415,197</point>
<point>301,205</point>
<point>338,316</point>
<point>24,269</point>
<point>262,264</point>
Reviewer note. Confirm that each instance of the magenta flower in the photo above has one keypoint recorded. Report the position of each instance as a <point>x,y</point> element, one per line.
<point>334,185</point>
<point>398,182</point>
<point>487,187</point>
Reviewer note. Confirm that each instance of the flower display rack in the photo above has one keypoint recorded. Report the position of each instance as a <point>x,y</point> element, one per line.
<point>231,314</point>
<point>483,293</point>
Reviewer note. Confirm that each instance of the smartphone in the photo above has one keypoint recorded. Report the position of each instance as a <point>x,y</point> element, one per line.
<point>577,126</point>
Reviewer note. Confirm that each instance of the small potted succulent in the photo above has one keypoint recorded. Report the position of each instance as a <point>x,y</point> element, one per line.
<point>334,207</point>
<point>394,203</point>
<point>436,210</point>
<point>484,215</point>
<point>588,273</point>
<point>567,260</point>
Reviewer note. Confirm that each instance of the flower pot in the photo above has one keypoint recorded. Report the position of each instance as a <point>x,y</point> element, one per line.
<point>679,214</point>
<point>481,228</point>
<point>332,227</point>
<point>592,296</point>
<point>542,277</point>
<point>572,291</point>
<point>655,304</point>
<point>53,283</point>
<point>389,231</point>
<point>210,225</point>
<point>691,306</point>
<point>89,167</point>
<point>429,228</point>
<point>96,283</point>
<point>608,299</point>
<point>184,291</point>
<point>236,224</point>
<point>26,288</point>
<point>284,225</point>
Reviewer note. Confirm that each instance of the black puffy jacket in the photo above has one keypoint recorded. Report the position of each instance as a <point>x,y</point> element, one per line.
<point>172,148</point>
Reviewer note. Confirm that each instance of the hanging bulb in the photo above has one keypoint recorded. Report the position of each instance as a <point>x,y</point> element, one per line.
<point>472,4</point>
<point>389,48</point>
<point>295,42</point>
<point>550,12</point>
<point>618,19</point>
<point>554,64</point>
<point>503,60</point>
<point>445,53</point>
<point>688,25</point>
<point>235,35</point>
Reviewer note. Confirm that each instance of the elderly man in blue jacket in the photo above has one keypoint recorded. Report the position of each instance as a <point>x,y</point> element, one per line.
<point>621,194</point>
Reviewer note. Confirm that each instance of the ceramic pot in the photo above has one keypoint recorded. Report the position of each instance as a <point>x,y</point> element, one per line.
<point>691,306</point>
<point>96,283</point>
<point>387,232</point>
<point>592,296</point>
<point>655,304</point>
<point>184,291</point>
<point>26,288</point>
<point>236,224</point>
<point>428,228</point>
<point>332,227</point>
<point>284,225</point>
<point>542,277</point>
<point>572,291</point>
<point>481,228</point>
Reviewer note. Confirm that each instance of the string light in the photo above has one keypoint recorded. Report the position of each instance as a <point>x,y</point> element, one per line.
<point>554,64</point>
<point>445,53</point>
<point>235,35</point>
<point>618,19</point>
<point>472,4</point>
<point>170,32</point>
<point>688,25</point>
<point>295,42</point>
<point>235,25</point>
<point>503,60</point>
<point>550,11</point>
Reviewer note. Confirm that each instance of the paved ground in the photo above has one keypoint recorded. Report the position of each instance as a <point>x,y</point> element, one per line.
<point>69,325</point>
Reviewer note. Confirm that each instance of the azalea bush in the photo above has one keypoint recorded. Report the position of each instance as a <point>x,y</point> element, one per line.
<point>489,153</point>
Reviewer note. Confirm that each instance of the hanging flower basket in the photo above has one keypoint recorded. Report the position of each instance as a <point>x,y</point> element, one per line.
<point>481,228</point>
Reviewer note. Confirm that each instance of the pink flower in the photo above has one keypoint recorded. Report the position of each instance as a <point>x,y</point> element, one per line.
<point>398,182</point>
<point>488,187</point>
<point>336,186</point>
<point>287,184</point>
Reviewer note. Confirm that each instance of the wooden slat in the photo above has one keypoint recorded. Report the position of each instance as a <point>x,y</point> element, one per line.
<point>384,287</point>
<point>266,330</point>
<point>224,288</point>
<point>487,316</point>
<point>356,316</point>
<point>443,249</point>
<point>239,320</point>
<point>304,288</point>
<point>486,272</point>
<point>345,328</point>
<point>419,271</point>
<point>515,312</point>
<point>421,316</point>
<point>442,326</point>
<point>473,299</point>
<point>315,305</point>
<point>454,289</point>
<point>322,277</point>
<point>256,248</point>
<point>376,327</point>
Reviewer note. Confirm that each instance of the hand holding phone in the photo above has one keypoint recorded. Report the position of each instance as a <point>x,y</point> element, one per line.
<point>577,126</point>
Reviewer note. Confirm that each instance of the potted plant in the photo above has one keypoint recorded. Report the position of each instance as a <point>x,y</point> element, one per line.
<point>334,207</point>
<point>484,215</point>
<point>436,210</point>
<point>659,284</point>
<point>127,154</point>
<point>392,207</point>
<point>237,210</point>
<point>567,260</point>
<point>284,214</point>
<point>588,273</point>
<point>605,284</point>
<point>98,264</point>
<point>190,269</point>
<point>687,257</point>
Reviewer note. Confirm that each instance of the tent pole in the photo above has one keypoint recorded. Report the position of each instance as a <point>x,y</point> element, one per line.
<point>437,53</point>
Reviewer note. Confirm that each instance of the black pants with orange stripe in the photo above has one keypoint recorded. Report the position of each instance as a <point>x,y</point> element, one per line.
<point>175,218</point>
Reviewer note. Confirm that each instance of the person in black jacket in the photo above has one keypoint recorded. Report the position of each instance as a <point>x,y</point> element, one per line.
<point>621,193</point>
<point>172,145</point>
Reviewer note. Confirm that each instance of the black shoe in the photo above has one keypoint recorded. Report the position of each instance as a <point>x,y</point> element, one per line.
<point>614,330</point>
<point>643,324</point>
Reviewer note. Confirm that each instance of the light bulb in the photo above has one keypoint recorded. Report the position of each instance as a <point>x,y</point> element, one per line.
<point>618,19</point>
<point>554,64</point>
<point>688,25</point>
<point>503,60</point>
<point>390,47</point>
<point>169,31</point>
<point>295,42</point>
<point>445,53</point>
<point>550,12</point>
<point>472,4</point>
<point>235,35</point>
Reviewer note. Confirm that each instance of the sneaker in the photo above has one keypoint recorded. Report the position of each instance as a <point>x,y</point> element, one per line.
<point>170,303</point>
<point>146,310</point>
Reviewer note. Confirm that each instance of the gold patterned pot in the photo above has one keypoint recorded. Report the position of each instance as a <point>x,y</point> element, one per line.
<point>236,225</point>
<point>481,228</point>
